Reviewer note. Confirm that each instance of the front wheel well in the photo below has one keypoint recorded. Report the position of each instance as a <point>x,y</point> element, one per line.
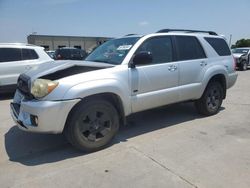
<point>114,99</point>
<point>220,78</point>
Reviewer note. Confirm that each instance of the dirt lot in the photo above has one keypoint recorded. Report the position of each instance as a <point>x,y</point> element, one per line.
<point>165,147</point>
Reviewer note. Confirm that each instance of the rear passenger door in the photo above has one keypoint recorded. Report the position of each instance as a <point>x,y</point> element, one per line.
<point>10,65</point>
<point>13,62</point>
<point>192,62</point>
<point>29,59</point>
<point>155,84</point>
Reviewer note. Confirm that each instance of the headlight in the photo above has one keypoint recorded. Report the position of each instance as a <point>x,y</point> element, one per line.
<point>243,57</point>
<point>41,87</point>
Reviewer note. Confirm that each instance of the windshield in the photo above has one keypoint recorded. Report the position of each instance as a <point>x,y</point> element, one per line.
<point>113,51</point>
<point>240,51</point>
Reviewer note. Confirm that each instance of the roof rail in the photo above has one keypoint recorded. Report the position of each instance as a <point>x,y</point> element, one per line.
<point>130,35</point>
<point>18,44</point>
<point>186,30</point>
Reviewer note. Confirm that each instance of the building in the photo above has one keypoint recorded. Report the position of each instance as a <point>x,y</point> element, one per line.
<point>50,42</point>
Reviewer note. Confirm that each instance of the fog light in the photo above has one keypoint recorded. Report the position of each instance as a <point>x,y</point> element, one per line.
<point>34,120</point>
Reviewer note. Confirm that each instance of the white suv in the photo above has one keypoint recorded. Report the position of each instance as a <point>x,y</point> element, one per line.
<point>18,58</point>
<point>88,100</point>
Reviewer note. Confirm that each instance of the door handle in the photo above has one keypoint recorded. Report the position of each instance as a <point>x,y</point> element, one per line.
<point>172,68</point>
<point>28,67</point>
<point>203,63</point>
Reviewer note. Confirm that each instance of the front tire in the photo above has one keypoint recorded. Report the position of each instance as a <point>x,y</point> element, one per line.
<point>243,66</point>
<point>211,100</point>
<point>92,125</point>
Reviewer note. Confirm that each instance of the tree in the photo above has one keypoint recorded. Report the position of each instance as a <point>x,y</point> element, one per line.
<point>241,43</point>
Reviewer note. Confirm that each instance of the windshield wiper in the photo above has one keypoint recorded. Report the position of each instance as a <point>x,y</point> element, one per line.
<point>103,61</point>
<point>100,60</point>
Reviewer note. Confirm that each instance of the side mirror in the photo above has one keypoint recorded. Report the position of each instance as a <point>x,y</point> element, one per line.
<point>142,58</point>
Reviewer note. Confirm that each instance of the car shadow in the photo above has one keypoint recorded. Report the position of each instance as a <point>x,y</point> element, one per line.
<point>36,149</point>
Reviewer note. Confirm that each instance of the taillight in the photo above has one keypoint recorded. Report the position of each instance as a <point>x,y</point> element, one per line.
<point>235,62</point>
<point>59,56</point>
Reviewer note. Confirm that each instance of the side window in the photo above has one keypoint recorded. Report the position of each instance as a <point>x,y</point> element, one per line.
<point>188,48</point>
<point>29,54</point>
<point>10,54</point>
<point>33,54</point>
<point>75,52</point>
<point>219,45</point>
<point>160,47</point>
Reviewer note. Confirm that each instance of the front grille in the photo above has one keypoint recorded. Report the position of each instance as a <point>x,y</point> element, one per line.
<point>23,85</point>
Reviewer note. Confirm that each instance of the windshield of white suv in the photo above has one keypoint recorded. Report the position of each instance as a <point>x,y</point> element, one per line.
<point>113,51</point>
<point>240,51</point>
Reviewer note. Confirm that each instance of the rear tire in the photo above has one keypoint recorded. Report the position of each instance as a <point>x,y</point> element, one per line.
<point>211,100</point>
<point>92,125</point>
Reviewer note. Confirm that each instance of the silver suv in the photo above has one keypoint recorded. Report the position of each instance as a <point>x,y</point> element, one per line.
<point>17,58</point>
<point>88,100</point>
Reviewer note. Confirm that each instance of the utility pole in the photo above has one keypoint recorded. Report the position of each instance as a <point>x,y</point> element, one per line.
<point>230,40</point>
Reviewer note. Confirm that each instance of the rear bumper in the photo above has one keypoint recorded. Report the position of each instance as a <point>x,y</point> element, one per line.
<point>42,116</point>
<point>231,79</point>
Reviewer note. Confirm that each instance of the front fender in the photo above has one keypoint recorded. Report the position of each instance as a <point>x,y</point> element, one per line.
<point>89,88</point>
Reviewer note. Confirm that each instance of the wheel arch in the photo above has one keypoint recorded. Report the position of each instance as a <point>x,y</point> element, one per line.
<point>221,78</point>
<point>113,98</point>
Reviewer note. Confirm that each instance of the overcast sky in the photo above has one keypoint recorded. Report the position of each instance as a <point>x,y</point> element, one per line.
<point>114,18</point>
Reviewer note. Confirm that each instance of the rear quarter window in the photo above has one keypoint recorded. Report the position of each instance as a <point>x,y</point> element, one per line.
<point>219,45</point>
<point>65,53</point>
<point>29,54</point>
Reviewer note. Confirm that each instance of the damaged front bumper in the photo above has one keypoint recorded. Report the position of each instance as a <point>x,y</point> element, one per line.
<point>40,116</point>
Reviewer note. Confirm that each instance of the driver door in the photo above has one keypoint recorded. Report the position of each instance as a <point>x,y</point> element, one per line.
<point>155,84</point>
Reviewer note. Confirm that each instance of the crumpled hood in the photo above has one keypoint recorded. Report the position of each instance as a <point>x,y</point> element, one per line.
<point>64,68</point>
<point>238,55</point>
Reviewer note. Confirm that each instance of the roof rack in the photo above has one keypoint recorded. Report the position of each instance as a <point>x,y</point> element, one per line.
<point>186,30</point>
<point>18,44</point>
<point>130,35</point>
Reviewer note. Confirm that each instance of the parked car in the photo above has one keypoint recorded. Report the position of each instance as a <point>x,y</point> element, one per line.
<point>88,100</point>
<point>51,53</point>
<point>67,53</point>
<point>18,58</point>
<point>242,57</point>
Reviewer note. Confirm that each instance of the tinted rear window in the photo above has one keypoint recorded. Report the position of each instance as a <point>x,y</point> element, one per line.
<point>10,54</point>
<point>75,51</point>
<point>65,53</point>
<point>29,54</point>
<point>189,48</point>
<point>219,45</point>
